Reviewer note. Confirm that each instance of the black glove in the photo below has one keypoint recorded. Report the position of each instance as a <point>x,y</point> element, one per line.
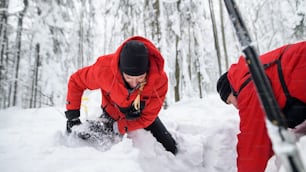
<point>72,119</point>
<point>107,121</point>
<point>134,114</point>
<point>131,113</point>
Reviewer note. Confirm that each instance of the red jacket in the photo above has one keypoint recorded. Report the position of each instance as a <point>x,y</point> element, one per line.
<point>254,147</point>
<point>106,76</point>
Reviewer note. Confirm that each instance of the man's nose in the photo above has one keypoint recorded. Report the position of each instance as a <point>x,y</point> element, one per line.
<point>134,83</point>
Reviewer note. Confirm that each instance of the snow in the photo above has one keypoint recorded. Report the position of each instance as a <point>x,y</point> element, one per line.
<point>34,140</point>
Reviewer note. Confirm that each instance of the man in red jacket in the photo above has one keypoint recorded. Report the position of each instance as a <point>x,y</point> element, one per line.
<point>133,84</point>
<point>236,87</point>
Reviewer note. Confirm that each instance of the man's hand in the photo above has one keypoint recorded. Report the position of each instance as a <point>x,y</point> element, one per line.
<point>71,123</point>
<point>133,114</point>
<point>300,129</point>
<point>72,119</point>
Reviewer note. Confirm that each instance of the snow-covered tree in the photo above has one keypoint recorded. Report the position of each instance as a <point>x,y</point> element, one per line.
<point>58,37</point>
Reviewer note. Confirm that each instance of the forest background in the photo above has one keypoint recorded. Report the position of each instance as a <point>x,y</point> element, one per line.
<point>42,42</point>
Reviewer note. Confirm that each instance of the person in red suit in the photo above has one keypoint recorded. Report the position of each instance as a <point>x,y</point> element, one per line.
<point>285,68</point>
<point>133,84</point>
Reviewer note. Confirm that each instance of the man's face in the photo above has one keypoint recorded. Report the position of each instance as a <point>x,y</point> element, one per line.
<point>133,81</point>
<point>232,100</point>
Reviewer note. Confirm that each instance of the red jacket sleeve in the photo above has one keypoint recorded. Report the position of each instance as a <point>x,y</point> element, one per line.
<point>151,110</point>
<point>254,147</point>
<point>81,80</point>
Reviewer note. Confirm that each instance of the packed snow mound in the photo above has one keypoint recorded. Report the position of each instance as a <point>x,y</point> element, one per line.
<point>205,130</point>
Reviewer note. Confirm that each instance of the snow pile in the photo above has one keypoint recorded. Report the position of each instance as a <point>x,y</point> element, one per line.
<point>35,140</point>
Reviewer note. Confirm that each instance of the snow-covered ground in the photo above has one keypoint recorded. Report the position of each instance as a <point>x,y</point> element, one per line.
<point>34,140</point>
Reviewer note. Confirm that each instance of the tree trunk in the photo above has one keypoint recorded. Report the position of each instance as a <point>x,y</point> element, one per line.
<point>177,65</point>
<point>3,51</point>
<point>33,101</point>
<point>18,50</point>
<point>223,35</point>
<point>199,75</point>
<point>81,37</point>
<point>177,74</point>
<point>156,24</point>
<point>215,32</point>
<point>3,33</point>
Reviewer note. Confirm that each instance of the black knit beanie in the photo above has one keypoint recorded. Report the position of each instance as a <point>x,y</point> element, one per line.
<point>223,87</point>
<point>134,58</point>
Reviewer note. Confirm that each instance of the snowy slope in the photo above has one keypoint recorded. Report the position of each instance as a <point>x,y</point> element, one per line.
<point>34,140</point>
